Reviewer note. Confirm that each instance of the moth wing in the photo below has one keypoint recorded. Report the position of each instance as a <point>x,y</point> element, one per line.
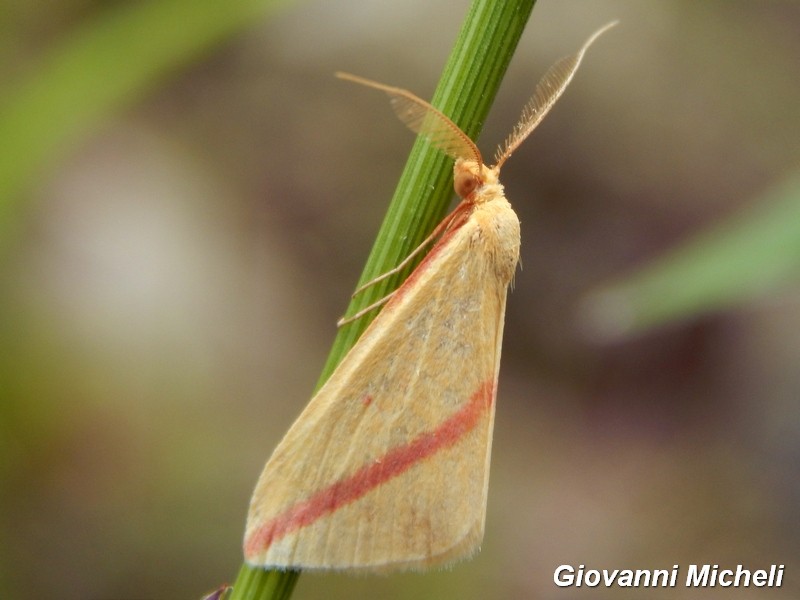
<point>388,465</point>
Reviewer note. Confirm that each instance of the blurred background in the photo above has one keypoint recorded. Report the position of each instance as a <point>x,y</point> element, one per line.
<point>171,277</point>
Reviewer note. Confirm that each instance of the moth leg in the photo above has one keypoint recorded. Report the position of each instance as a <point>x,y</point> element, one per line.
<point>440,228</point>
<point>365,310</point>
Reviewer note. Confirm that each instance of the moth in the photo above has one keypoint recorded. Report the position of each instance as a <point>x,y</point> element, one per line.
<point>387,468</point>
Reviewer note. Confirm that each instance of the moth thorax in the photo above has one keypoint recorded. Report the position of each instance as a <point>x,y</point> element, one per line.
<point>469,175</point>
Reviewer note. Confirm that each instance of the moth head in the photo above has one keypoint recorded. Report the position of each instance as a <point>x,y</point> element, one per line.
<point>469,175</point>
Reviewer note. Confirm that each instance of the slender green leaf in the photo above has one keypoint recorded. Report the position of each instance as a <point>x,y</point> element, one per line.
<point>752,254</point>
<point>98,69</point>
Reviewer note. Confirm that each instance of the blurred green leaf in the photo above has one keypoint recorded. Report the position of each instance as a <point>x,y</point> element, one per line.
<point>100,68</point>
<point>752,254</point>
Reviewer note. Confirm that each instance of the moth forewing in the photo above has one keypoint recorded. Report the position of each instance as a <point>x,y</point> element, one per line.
<point>387,467</point>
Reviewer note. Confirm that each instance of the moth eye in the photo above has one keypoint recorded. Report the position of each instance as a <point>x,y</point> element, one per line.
<point>465,184</point>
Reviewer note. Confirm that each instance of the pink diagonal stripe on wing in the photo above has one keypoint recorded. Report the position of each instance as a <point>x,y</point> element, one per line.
<point>395,462</point>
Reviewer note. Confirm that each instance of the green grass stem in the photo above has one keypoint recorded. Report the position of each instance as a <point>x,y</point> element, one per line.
<point>465,93</point>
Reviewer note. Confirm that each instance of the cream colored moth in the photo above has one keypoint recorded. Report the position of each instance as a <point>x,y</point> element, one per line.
<point>387,468</point>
